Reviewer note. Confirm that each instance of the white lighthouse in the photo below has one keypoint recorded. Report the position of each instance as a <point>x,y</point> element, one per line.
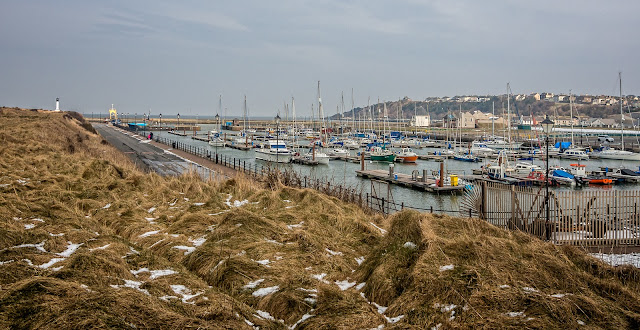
<point>57,104</point>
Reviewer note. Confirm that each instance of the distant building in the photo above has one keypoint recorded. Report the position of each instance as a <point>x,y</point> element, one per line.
<point>467,120</point>
<point>421,121</point>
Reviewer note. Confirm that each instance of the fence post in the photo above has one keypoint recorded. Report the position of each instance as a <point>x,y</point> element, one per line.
<point>383,206</point>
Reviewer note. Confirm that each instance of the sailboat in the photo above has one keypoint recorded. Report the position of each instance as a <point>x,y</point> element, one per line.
<point>312,154</point>
<point>215,140</point>
<point>611,153</point>
<point>381,154</point>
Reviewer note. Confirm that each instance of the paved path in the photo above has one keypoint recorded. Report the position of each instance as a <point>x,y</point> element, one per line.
<point>152,156</point>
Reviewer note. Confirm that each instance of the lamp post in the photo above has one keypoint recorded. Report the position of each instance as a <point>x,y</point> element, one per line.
<point>216,138</point>
<point>178,119</point>
<point>277,138</point>
<point>547,126</point>
<point>135,121</point>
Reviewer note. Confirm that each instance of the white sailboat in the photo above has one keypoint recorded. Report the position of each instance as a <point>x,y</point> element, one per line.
<point>214,136</point>
<point>320,157</point>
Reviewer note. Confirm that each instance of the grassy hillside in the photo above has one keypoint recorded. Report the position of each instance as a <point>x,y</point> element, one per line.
<point>88,240</point>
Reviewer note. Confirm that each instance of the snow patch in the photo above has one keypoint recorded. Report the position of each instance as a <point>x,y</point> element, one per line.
<point>264,262</point>
<point>56,235</point>
<point>302,319</point>
<point>133,285</point>
<point>28,226</point>
<point>149,233</point>
<point>394,319</point>
<point>515,314</point>
<point>333,253</point>
<point>253,284</point>
<point>298,225</point>
<point>360,286</point>
<point>107,206</point>
<point>447,267</point>
<point>184,292</point>
<point>382,231</point>
<point>198,204</point>
<point>71,248</point>
<point>264,315</point>
<point>632,259</point>
<point>100,247</point>
<point>188,249</point>
<point>265,291</point>
<point>51,262</point>
<point>343,285</point>
<point>161,272</point>
<point>529,289</point>
<point>39,246</point>
<point>381,309</point>
<point>320,277</point>
<point>152,209</point>
<point>410,245</point>
<point>198,241</point>
<point>272,241</point>
<point>505,286</point>
<point>360,260</point>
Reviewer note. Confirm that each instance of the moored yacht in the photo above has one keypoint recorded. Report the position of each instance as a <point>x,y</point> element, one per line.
<point>274,151</point>
<point>575,153</point>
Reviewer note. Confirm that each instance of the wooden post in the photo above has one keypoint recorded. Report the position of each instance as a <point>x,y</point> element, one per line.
<point>362,161</point>
<point>441,175</point>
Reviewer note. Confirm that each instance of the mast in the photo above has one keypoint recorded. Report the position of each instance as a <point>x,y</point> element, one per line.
<point>493,119</point>
<point>220,111</point>
<point>321,115</point>
<point>571,118</point>
<point>508,117</point>
<point>621,115</point>
<point>353,111</point>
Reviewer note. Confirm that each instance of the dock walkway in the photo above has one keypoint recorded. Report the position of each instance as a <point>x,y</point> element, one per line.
<point>407,181</point>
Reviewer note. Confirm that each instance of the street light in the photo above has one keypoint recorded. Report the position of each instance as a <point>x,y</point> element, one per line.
<point>547,126</point>
<point>277,138</point>
<point>160,120</point>
<point>135,121</point>
<point>218,130</point>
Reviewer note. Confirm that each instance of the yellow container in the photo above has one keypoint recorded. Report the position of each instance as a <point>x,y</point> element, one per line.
<point>454,180</point>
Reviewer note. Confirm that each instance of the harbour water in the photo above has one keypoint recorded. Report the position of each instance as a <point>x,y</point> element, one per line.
<point>343,172</point>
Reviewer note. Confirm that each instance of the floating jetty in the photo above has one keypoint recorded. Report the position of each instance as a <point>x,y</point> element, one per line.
<point>238,146</point>
<point>205,139</point>
<point>415,182</point>
<point>177,133</point>
<point>353,159</point>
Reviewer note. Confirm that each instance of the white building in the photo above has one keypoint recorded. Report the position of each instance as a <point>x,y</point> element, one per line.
<point>421,121</point>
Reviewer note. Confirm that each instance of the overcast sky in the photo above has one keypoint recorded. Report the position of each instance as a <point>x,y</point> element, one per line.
<point>179,56</point>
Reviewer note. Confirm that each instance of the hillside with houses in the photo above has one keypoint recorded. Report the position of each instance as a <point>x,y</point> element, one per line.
<point>596,111</point>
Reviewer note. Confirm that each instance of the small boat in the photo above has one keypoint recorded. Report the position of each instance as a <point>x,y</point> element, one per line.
<point>526,168</point>
<point>216,142</point>
<point>575,153</point>
<point>274,151</point>
<point>339,152</point>
<point>382,155</point>
<point>319,157</point>
<point>466,158</point>
<point>406,155</point>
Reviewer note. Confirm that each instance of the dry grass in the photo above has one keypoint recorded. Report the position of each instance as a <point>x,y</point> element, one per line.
<point>218,237</point>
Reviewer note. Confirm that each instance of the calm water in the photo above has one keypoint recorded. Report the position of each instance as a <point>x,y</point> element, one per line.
<point>341,172</point>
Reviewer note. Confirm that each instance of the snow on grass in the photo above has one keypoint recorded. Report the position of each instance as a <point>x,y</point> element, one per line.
<point>505,286</point>
<point>56,235</point>
<point>444,308</point>
<point>188,249</point>
<point>380,229</point>
<point>5,262</point>
<point>447,267</point>
<point>515,314</point>
<point>360,260</point>
<point>149,233</point>
<point>156,243</point>
<point>394,319</point>
<point>298,225</point>
<point>264,315</point>
<point>410,245</point>
<point>381,309</point>
<point>560,295</point>
<point>107,206</point>
<point>320,277</point>
<point>198,204</point>
<point>151,220</point>
<point>100,247</point>
<point>264,262</point>
<point>265,291</point>
<point>360,286</point>
<point>289,207</point>
<point>286,201</point>
<point>198,241</point>
<point>580,322</point>
<point>28,226</point>
<point>133,285</point>
<point>39,246</point>
<point>136,272</point>
<point>333,253</point>
<point>272,241</point>
<point>308,290</point>
<point>253,284</point>
<point>302,319</point>
<point>161,272</point>
<point>184,292</point>
<point>152,209</point>
<point>51,262</point>
<point>632,259</point>
<point>71,248</point>
<point>37,219</point>
<point>529,289</point>
<point>343,285</point>
<point>213,214</point>
<point>310,300</point>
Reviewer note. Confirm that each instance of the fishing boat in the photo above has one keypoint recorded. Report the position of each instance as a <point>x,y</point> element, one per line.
<point>382,155</point>
<point>406,155</point>
<point>580,172</point>
<point>274,151</point>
